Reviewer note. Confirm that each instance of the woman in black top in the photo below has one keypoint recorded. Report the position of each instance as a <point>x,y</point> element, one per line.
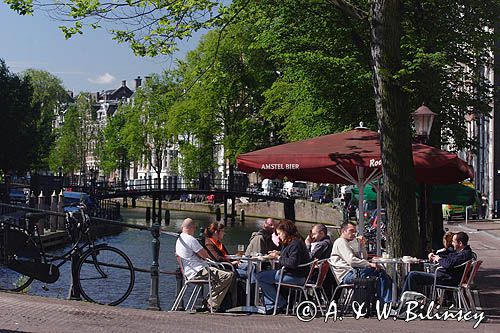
<point>293,254</point>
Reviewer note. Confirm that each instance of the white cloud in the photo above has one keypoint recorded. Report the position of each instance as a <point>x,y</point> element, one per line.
<point>103,79</point>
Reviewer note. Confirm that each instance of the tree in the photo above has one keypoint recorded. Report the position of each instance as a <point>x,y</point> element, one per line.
<point>75,138</point>
<point>18,122</point>
<point>112,149</point>
<point>222,108</point>
<point>148,130</point>
<point>436,67</point>
<point>66,152</point>
<point>323,78</point>
<point>48,95</point>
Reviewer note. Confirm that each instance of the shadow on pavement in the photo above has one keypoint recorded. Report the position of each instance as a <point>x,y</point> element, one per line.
<point>488,283</point>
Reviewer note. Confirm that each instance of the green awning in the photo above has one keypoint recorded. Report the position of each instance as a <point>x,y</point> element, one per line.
<point>369,193</point>
<point>454,194</point>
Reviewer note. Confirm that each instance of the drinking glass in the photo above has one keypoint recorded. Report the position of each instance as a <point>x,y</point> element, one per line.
<point>241,249</point>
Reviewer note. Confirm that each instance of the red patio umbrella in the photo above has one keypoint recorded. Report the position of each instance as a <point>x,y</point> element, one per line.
<point>349,157</point>
<point>339,158</point>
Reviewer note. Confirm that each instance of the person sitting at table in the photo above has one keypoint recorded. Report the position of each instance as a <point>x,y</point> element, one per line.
<point>217,251</point>
<point>320,246</point>
<point>348,263</point>
<point>448,245</point>
<point>293,254</point>
<point>193,256</point>
<point>318,242</point>
<point>261,241</point>
<point>450,275</point>
<point>214,234</point>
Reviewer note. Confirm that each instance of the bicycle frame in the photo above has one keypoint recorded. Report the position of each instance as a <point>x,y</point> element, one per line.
<point>77,247</point>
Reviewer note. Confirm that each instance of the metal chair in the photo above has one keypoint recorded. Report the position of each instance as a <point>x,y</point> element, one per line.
<point>458,290</point>
<point>475,267</point>
<point>344,291</point>
<point>322,266</point>
<point>302,287</point>
<point>198,286</point>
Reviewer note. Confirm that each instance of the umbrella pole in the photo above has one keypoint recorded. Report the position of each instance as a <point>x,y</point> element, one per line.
<point>379,219</point>
<point>361,208</point>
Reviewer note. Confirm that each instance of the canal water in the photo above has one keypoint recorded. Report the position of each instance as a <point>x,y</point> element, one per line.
<point>137,245</point>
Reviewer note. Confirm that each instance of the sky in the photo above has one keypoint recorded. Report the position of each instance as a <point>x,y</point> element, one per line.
<point>90,62</point>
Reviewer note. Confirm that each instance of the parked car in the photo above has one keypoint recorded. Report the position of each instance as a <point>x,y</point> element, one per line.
<point>213,198</point>
<point>18,196</point>
<point>453,211</point>
<point>76,197</point>
<point>272,187</point>
<point>295,189</point>
<point>322,194</point>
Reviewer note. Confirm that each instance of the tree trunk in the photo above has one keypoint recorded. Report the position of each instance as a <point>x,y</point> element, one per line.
<point>437,231</point>
<point>394,125</point>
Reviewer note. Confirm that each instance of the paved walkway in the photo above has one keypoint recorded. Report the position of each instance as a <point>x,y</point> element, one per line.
<point>38,314</point>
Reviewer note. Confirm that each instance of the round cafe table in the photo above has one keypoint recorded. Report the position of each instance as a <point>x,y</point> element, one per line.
<point>254,263</point>
<point>394,262</point>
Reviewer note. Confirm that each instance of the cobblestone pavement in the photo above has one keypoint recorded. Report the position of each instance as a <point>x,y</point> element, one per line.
<point>39,314</point>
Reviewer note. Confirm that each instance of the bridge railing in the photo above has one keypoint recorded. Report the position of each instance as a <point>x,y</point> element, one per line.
<point>180,185</point>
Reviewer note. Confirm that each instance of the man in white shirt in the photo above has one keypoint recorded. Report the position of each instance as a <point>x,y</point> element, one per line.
<point>193,257</point>
<point>347,263</point>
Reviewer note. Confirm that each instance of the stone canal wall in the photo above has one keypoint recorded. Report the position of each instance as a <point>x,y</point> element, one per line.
<point>305,211</point>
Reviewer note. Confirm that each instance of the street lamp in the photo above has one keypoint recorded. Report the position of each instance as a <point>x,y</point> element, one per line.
<point>423,118</point>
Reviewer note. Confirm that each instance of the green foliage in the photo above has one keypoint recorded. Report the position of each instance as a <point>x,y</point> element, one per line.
<point>321,52</point>
<point>24,7</point>
<point>75,137</point>
<point>19,117</point>
<point>48,95</point>
<point>148,131</point>
<point>149,27</point>
<point>224,78</point>
<point>324,82</point>
<point>446,48</point>
<point>112,151</point>
<point>65,154</point>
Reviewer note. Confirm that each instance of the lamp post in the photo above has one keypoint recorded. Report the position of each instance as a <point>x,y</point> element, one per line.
<point>423,118</point>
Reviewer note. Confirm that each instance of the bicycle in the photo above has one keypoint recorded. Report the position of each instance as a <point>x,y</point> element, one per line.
<point>103,274</point>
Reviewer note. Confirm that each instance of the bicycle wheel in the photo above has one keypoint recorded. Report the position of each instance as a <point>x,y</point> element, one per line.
<point>15,246</point>
<point>105,275</point>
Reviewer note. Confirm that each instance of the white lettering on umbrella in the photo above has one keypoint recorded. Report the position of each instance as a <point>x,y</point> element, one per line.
<point>279,166</point>
<point>375,163</point>
<point>272,166</point>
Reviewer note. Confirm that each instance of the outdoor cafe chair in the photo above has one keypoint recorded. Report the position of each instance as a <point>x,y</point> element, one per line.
<point>344,292</point>
<point>467,287</point>
<point>303,287</point>
<point>198,284</point>
<point>221,264</point>
<point>459,290</point>
<point>322,267</point>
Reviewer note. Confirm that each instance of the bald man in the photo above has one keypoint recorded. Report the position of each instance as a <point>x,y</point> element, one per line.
<point>262,241</point>
<point>193,257</point>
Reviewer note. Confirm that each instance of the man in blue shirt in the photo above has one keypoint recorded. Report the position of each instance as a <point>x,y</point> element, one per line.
<point>450,275</point>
